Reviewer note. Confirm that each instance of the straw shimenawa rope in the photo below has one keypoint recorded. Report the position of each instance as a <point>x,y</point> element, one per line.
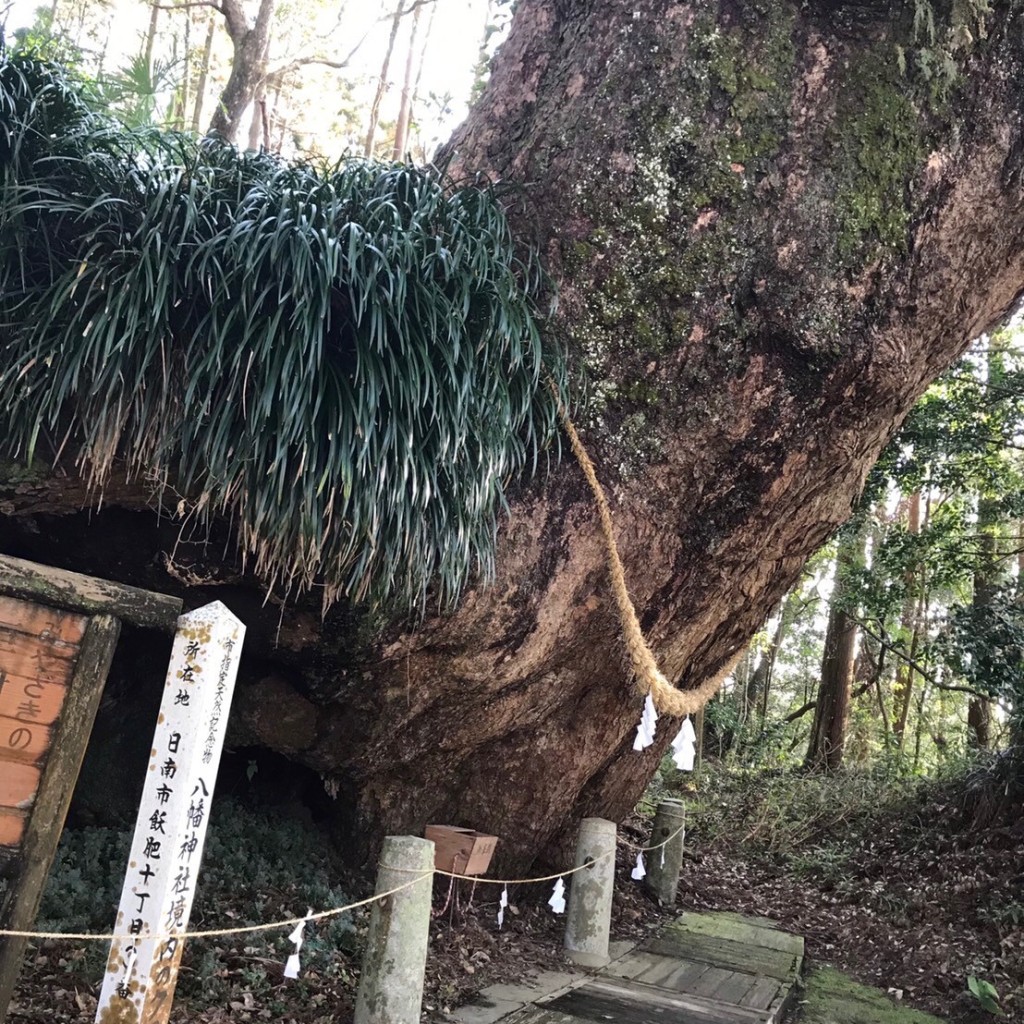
<point>667,699</point>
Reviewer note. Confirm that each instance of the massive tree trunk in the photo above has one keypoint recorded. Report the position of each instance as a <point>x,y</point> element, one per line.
<point>768,240</point>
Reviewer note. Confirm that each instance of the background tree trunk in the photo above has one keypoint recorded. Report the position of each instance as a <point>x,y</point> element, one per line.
<point>979,710</point>
<point>910,623</point>
<point>248,65</point>
<point>768,241</point>
<point>204,72</point>
<point>401,145</point>
<point>382,82</point>
<point>828,733</point>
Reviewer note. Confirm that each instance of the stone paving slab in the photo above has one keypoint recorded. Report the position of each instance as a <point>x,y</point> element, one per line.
<point>729,926</point>
<point>728,953</point>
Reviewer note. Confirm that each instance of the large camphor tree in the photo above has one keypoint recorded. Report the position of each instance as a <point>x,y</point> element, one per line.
<point>770,224</point>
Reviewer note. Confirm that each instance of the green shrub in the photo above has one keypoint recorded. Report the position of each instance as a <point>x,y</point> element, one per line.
<point>257,867</point>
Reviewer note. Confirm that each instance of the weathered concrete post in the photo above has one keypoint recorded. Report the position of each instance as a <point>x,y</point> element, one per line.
<point>662,877</point>
<point>590,896</point>
<point>391,985</point>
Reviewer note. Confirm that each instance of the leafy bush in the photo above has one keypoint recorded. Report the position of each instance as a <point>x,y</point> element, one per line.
<point>345,361</point>
<point>789,813</point>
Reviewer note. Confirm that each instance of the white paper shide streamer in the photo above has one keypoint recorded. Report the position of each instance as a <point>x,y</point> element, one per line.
<point>292,967</point>
<point>129,965</point>
<point>645,730</point>
<point>639,871</point>
<point>502,904</point>
<point>684,747</point>
<point>557,901</point>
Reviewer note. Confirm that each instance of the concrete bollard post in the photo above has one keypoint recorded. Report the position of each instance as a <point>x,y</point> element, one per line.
<point>391,984</point>
<point>662,877</point>
<point>590,895</point>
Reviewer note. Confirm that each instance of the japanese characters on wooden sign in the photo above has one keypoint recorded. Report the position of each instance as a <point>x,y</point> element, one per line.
<point>171,826</point>
<point>38,650</point>
<point>58,630</point>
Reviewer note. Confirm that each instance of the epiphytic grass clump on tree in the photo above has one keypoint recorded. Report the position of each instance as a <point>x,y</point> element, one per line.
<point>345,362</point>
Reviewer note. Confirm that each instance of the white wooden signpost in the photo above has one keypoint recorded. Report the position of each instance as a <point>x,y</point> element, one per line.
<point>167,848</point>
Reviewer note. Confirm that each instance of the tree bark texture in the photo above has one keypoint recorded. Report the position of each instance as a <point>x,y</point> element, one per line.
<point>768,241</point>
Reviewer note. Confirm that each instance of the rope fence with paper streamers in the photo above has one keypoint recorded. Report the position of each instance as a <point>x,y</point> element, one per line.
<point>292,922</point>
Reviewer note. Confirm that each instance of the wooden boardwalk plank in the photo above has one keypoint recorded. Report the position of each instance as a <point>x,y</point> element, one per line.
<point>701,969</point>
<point>763,993</point>
<point>681,976</point>
<point>626,1002</point>
<point>713,979</point>
<point>733,987</point>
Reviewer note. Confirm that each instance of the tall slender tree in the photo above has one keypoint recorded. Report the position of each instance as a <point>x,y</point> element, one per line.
<point>828,732</point>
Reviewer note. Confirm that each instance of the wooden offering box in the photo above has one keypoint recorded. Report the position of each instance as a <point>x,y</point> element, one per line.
<point>461,850</point>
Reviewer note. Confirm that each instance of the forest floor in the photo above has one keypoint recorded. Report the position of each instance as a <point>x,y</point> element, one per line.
<point>911,897</point>
<point>903,893</point>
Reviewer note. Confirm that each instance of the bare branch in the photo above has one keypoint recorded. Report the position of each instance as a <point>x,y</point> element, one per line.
<point>412,7</point>
<point>190,3</point>
<point>298,62</point>
<point>812,704</point>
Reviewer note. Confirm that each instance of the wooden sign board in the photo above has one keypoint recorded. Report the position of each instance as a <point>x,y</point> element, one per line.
<point>57,636</point>
<point>38,650</point>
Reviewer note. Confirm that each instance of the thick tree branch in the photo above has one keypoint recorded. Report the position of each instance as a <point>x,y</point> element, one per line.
<point>234,17</point>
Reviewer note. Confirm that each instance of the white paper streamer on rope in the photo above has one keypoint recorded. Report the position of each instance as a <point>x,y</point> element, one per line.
<point>557,901</point>
<point>639,871</point>
<point>502,904</point>
<point>292,967</point>
<point>129,965</point>
<point>684,746</point>
<point>645,730</point>
<point>685,757</point>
